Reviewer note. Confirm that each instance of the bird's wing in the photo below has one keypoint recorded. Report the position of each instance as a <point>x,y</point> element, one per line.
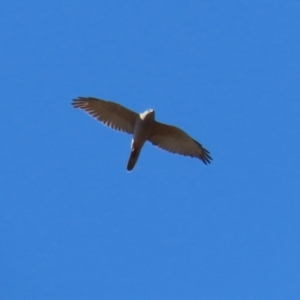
<point>109,113</point>
<point>175,140</point>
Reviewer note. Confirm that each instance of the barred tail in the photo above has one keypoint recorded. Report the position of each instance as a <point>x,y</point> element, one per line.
<point>134,155</point>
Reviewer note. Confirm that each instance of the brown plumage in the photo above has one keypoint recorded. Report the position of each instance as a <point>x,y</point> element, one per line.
<point>144,128</point>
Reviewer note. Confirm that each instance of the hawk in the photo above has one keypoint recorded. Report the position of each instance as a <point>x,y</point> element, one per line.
<point>144,128</point>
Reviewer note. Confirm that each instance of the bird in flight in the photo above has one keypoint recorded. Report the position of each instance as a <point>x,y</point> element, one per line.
<point>144,128</point>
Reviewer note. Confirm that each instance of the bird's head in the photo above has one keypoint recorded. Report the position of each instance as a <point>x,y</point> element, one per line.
<point>149,114</point>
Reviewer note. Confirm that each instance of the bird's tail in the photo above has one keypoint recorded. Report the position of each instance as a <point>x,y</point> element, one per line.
<point>134,155</point>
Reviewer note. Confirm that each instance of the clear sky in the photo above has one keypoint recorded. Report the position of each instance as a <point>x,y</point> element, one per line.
<point>74,224</point>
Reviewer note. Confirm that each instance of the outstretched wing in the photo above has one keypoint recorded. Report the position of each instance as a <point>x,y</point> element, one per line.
<point>109,113</point>
<point>175,140</point>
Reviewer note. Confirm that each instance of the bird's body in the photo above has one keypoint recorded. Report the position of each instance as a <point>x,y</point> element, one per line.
<point>142,131</point>
<point>144,128</point>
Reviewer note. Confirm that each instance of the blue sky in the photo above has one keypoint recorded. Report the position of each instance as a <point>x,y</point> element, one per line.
<point>74,224</point>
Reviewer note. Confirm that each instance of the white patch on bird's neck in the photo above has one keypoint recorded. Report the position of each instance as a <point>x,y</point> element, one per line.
<point>149,114</point>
